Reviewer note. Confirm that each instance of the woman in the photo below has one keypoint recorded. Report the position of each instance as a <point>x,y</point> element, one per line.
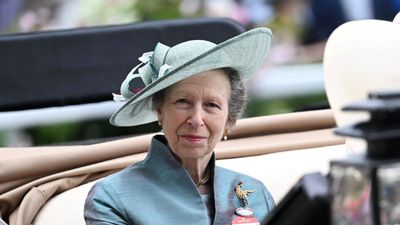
<point>195,91</point>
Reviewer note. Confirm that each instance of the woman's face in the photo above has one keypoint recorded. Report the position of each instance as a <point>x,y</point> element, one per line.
<point>194,114</point>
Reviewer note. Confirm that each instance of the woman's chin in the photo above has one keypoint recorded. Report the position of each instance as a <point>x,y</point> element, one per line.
<point>194,151</point>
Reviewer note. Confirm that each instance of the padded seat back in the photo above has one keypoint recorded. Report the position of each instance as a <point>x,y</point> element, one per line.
<point>86,65</point>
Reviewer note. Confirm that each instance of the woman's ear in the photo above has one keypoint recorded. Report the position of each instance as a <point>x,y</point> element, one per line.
<point>159,117</point>
<point>228,126</point>
<point>159,113</point>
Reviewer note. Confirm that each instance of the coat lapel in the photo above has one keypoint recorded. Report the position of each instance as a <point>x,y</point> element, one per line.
<point>224,197</point>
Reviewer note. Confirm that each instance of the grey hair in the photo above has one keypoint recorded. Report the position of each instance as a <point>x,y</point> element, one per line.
<point>237,101</point>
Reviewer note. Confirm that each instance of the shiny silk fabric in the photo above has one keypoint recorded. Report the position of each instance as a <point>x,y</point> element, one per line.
<point>159,190</point>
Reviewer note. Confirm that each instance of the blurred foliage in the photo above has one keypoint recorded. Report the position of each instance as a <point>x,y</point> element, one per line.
<point>158,9</point>
<point>54,133</point>
<point>84,132</point>
<point>2,139</point>
<point>95,12</point>
<point>260,107</point>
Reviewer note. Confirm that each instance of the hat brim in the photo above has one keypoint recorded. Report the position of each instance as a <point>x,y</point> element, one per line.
<point>245,53</point>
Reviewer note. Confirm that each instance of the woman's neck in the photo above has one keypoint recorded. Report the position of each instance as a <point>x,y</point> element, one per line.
<point>198,170</point>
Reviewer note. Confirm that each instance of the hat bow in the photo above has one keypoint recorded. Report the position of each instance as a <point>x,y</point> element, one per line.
<point>135,82</point>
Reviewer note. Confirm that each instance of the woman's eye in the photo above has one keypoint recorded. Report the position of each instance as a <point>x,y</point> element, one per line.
<point>182,101</point>
<point>213,105</point>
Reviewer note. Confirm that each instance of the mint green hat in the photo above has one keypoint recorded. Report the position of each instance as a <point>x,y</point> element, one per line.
<point>166,66</point>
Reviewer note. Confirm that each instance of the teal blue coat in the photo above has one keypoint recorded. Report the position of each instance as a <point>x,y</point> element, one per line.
<point>159,191</point>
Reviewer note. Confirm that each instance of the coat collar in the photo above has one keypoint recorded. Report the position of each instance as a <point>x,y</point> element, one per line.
<point>169,170</point>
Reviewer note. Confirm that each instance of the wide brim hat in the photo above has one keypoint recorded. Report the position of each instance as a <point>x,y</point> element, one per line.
<point>166,66</point>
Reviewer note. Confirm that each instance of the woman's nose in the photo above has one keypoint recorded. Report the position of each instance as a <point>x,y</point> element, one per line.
<point>196,118</point>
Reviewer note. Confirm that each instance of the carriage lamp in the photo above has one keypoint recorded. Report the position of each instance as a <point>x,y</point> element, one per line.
<point>366,188</point>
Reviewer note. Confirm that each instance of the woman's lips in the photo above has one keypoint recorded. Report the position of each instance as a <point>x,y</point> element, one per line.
<point>193,138</point>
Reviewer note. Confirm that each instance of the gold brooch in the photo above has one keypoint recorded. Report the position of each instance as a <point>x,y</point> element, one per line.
<point>242,195</point>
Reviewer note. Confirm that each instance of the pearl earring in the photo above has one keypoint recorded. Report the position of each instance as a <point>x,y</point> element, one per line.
<point>225,135</point>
